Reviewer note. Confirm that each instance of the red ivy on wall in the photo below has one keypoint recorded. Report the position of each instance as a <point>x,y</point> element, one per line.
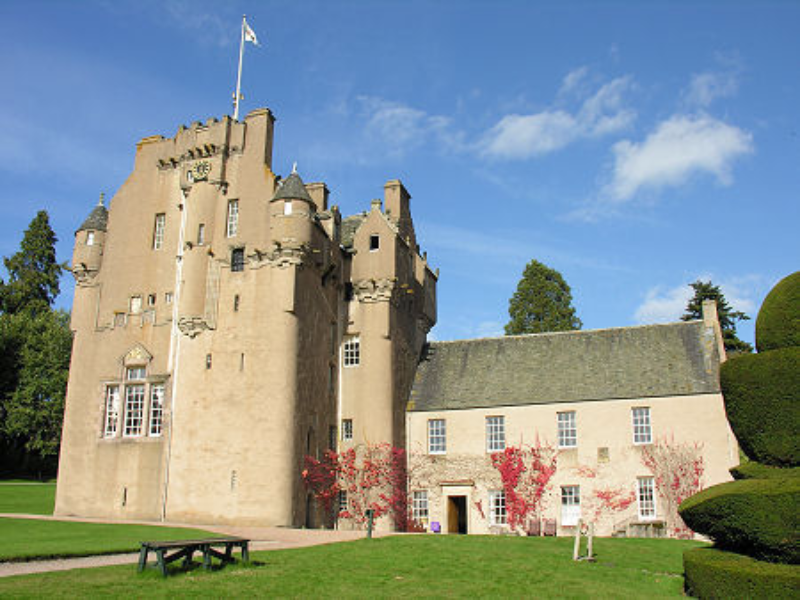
<point>526,473</point>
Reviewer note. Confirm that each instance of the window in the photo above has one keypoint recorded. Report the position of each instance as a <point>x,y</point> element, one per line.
<point>136,304</point>
<point>201,234</point>
<point>342,501</point>
<point>232,222</point>
<point>156,409</point>
<point>495,434</point>
<point>567,430</point>
<point>208,361</point>
<point>237,259</point>
<point>236,303</point>
<point>497,508</point>
<point>347,429</point>
<point>419,506</point>
<point>158,231</point>
<point>119,319</point>
<point>437,436</point>
<point>352,352</point>
<point>646,495</point>
<point>135,373</point>
<point>151,300</point>
<point>570,505</point>
<point>642,432</point>
<point>287,207</point>
<point>112,411</point>
<point>168,298</point>
<point>134,410</point>
<point>90,238</point>
<point>374,242</point>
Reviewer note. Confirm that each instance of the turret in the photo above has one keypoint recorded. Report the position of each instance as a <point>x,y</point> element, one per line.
<point>87,253</point>
<point>292,212</point>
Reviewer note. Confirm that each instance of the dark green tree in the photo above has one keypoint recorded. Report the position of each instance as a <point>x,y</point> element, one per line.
<point>33,272</point>
<point>705,290</point>
<point>542,302</point>
<point>35,348</point>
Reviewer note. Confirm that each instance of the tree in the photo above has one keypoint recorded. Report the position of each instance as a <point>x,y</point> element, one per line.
<point>542,302</point>
<point>35,348</point>
<point>705,290</point>
<point>33,272</point>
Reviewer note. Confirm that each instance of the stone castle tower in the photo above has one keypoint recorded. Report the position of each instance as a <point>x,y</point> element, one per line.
<point>228,323</point>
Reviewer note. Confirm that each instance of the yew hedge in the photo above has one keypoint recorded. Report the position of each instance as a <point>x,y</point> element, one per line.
<point>778,322</point>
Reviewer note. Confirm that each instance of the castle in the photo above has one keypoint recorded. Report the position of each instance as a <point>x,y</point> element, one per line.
<point>229,323</point>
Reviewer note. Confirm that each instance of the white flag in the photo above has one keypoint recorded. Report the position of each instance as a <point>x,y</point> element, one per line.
<point>249,34</point>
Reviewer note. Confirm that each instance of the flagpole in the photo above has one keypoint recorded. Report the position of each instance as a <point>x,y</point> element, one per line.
<point>237,96</point>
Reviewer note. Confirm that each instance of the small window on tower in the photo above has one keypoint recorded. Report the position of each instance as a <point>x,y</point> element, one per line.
<point>208,361</point>
<point>151,300</point>
<point>136,304</point>
<point>237,259</point>
<point>158,231</point>
<point>90,238</point>
<point>287,207</point>
<point>201,234</point>
<point>236,303</point>
<point>168,297</point>
<point>374,242</point>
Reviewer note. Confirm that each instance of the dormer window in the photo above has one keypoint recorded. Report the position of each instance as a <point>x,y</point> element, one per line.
<point>90,238</point>
<point>374,242</point>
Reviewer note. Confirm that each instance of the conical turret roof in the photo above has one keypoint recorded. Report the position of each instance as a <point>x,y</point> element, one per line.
<point>97,219</point>
<point>292,188</point>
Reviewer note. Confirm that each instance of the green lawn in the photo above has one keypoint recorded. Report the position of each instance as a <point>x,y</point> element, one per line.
<point>17,496</point>
<point>400,566</point>
<point>24,539</point>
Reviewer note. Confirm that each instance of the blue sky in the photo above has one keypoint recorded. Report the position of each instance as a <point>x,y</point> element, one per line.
<point>634,147</point>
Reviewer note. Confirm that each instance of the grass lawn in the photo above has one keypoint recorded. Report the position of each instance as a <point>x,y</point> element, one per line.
<point>400,566</point>
<point>17,496</point>
<point>23,539</point>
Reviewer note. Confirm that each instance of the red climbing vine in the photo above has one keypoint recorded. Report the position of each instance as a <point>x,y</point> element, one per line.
<point>526,473</point>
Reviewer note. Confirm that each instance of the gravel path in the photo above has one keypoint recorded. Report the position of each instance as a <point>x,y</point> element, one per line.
<point>263,538</point>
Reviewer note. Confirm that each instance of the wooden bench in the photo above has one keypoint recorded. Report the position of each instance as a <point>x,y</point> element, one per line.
<point>185,549</point>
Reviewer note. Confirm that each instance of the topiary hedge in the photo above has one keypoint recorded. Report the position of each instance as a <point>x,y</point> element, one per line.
<point>757,517</point>
<point>754,470</point>
<point>711,573</point>
<point>778,322</point>
<point>761,396</point>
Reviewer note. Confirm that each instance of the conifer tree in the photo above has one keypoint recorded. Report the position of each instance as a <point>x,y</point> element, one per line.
<point>705,290</point>
<point>542,302</point>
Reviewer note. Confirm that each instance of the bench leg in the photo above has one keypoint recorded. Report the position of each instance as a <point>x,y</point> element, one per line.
<point>206,558</point>
<point>162,564</point>
<point>187,560</point>
<point>245,553</point>
<point>143,558</point>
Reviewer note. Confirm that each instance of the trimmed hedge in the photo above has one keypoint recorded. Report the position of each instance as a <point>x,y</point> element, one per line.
<point>754,470</point>
<point>711,573</point>
<point>757,517</point>
<point>778,322</point>
<point>762,397</point>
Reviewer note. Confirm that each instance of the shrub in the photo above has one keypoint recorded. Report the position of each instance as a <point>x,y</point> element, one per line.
<point>761,393</point>
<point>754,470</point>
<point>757,517</point>
<point>778,322</point>
<point>712,573</point>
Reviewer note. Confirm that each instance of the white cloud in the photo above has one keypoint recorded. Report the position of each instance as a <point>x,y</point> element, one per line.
<point>573,79</point>
<point>517,137</point>
<point>205,26</point>
<point>679,148</point>
<point>707,87</point>
<point>663,304</point>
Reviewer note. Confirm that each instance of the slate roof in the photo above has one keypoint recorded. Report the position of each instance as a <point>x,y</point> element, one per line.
<point>349,227</point>
<point>630,362</point>
<point>97,219</point>
<point>292,188</point>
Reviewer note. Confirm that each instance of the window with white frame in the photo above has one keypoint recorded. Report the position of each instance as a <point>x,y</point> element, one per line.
<point>419,506</point>
<point>136,305</point>
<point>135,373</point>
<point>232,222</point>
<point>352,351</point>
<point>570,505</point>
<point>158,231</point>
<point>287,207</point>
<point>495,434</point>
<point>342,501</point>
<point>567,430</point>
<point>156,409</point>
<point>437,436</point>
<point>167,297</point>
<point>497,508</point>
<point>642,431</point>
<point>347,429</point>
<point>112,411</point>
<point>134,410</point>
<point>646,496</point>
<point>90,238</point>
